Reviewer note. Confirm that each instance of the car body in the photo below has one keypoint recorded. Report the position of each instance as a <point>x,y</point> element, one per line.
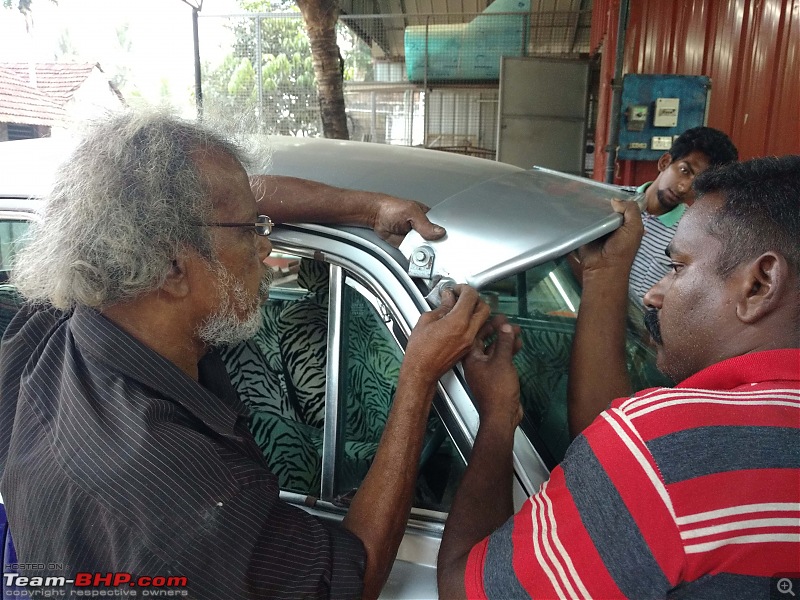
<point>345,303</point>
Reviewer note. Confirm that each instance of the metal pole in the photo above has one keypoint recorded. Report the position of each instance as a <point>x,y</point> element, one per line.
<point>259,73</point>
<point>373,131</point>
<point>426,105</point>
<point>409,132</point>
<point>198,85</point>
<point>616,95</point>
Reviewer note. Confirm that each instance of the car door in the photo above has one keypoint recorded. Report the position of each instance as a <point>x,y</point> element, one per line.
<point>320,378</point>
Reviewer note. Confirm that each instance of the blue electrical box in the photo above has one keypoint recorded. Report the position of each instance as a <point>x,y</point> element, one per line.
<point>658,108</point>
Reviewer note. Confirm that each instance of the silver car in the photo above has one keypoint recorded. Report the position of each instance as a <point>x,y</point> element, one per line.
<point>320,375</point>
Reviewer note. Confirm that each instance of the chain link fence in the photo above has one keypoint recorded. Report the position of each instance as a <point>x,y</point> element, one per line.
<point>414,80</point>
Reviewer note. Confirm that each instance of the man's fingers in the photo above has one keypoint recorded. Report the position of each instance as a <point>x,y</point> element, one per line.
<point>457,301</point>
<point>467,299</point>
<point>484,332</point>
<point>471,308</point>
<point>478,318</point>
<point>477,352</point>
<point>506,339</point>
<point>629,210</point>
<point>619,205</point>
<point>421,224</point>
<point>437,313</point>
<point>448,298</point>
<point>426,229</point>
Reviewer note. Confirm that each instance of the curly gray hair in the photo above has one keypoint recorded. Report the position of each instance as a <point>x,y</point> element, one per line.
<point>121,210</point>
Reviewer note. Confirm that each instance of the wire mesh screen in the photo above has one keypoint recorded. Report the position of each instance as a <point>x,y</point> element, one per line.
<point>417,80</point>
<point>259,70</point>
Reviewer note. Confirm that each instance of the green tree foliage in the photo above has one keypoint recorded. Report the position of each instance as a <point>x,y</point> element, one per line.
<point>289,93</point>
<point>289,98</point>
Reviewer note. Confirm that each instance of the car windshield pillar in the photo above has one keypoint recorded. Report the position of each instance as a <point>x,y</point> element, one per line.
<point>334,417</point>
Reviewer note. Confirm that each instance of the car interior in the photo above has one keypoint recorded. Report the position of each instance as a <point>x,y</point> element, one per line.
<point>280,374</point>
<point>544,301</point>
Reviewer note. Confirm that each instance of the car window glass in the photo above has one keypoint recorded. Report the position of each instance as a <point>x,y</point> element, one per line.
<point>371,359</point>
<point>290,443</point>
<point>11,230</point>
<point>544,301</point>
<point>280,375</point>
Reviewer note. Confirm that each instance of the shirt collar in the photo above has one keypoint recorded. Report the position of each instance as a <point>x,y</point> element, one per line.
<point>754,367</point>
<point>213,399</point>
<point>669,219</point>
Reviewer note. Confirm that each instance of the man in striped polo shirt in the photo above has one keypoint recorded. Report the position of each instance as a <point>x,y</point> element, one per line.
<point>663,203</point>
<point>664,200</point>
<point>692,491</point>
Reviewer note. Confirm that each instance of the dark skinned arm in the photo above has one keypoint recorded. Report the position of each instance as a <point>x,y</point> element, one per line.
<point>484,500</point>
<point>598,372</point>
<point>294,200</point>
<point>380,508</point>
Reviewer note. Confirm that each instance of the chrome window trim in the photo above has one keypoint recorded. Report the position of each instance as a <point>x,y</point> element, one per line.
<point>19,215</point>
<point>331,432</point>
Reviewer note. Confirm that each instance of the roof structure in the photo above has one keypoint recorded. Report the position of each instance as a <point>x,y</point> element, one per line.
<point>58,81</point>
<point>549,20</point>
<point>22,103</point>
<point>37,93</point>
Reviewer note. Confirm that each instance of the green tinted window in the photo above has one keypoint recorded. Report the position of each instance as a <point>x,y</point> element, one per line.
<point>10,233</point>
<point>370,365</point>
<point>281,375</point>
<point>544,301</point>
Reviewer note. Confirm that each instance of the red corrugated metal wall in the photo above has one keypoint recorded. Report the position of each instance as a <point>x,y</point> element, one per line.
<point>749,48</point>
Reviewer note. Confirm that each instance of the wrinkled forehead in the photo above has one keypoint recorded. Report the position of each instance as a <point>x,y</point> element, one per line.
<point>693,228</point>
<point>227,182</point>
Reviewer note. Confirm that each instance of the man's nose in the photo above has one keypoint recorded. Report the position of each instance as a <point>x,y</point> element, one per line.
<point>655,295</point>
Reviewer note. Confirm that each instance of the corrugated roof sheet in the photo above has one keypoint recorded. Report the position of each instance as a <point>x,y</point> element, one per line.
<point>22,103</point>
<point>57,81</point>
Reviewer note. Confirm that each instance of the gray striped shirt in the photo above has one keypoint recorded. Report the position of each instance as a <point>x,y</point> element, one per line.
<point>113,459</point>
<point>651,263</point>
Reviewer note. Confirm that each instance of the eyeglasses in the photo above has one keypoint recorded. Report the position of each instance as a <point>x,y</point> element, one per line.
<point>263,225</point>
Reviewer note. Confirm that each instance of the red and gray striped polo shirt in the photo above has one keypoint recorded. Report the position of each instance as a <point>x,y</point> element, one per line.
<point>674,492</point>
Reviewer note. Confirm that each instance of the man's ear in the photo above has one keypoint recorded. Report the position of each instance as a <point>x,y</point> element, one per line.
<point>176,283</point>
<point>664,162</point>
<point>763,287</point>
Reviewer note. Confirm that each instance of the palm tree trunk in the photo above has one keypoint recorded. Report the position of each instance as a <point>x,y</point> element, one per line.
<point>320,17</point>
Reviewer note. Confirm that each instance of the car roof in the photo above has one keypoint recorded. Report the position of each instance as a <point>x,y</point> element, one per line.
<point>500,219</point>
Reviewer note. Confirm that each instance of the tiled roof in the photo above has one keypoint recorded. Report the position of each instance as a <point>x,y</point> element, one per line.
<point>57,81</point>
<point>22,103</point>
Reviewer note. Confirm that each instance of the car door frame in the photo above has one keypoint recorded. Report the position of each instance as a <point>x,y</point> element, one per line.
<point>383,276</point>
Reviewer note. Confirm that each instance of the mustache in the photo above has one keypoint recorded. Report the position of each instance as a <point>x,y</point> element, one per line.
<point>269,276</point>
<point>652,325</point>
<point>265,283</point>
